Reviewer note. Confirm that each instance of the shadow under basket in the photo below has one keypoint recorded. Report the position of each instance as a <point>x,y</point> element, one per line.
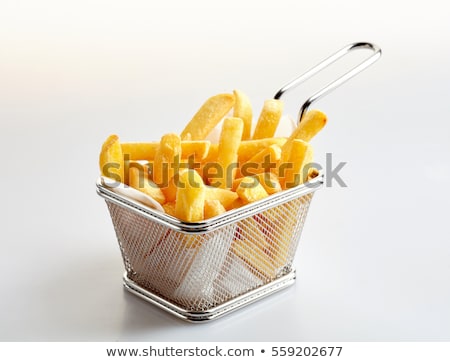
<point>202,271</point>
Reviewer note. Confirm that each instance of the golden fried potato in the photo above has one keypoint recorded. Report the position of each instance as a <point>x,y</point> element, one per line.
<point>243,110</point>
<point>193,179</point>
<point>213,208</point>
<point>264,161</point>
<point>197,149</point>
<point>147,151</point>
<point>170,191</point>
<point>249,148</point>
<point>139,150</point>
<point>167,159</point>
<point>236,204</point>
<point>224,196</point>
<point>250,190</point>
<point>227,158</point>
<point>270,182</point>
<point>111,159</point>
<point>190,198</point>
<point>296,170</point>
<point>313,121</point>
<point>208,116</point>
<point>268,119</point>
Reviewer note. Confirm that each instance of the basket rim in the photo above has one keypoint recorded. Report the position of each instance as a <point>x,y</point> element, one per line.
<point>216,222</point>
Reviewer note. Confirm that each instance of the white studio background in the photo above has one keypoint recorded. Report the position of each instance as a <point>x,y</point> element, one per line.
<point>373,264</point>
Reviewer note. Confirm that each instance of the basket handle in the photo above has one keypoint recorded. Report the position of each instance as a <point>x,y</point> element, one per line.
<point>333,85</point>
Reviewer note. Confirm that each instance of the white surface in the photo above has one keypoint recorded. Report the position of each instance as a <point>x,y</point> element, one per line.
<point>373,264</point>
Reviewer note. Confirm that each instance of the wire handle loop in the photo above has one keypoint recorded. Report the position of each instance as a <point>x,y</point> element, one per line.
<point>333,85</point>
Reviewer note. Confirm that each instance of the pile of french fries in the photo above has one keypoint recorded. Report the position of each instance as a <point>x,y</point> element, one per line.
<point>194,179</point>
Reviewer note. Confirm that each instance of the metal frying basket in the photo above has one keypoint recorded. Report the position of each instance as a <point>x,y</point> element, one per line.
<point>201,271</point>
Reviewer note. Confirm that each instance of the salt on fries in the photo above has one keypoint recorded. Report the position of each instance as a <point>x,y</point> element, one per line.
<point>194,179</point>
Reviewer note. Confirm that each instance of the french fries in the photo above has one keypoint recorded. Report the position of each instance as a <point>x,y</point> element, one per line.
<point>207,117</point>
<point>300,155</point>
<point>170,191</point>
<point>269,118</point>
<point>147,151</point>
<point>177,170</point>
<point>190,198</point>
<point>248,149</point>
<point>263,161</point>
<point>226,197</point>
<point>268,180</point>
<point>313,121</point>
<point>111,160</point>
<point>250,190</point>
<point>230,139</point>
<point>213,208</point>
<point>167,158</point>
<point>243,110</point>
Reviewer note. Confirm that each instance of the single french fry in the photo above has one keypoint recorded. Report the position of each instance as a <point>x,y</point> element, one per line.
<point>296,172</point>
<point>213,208</point>
<point>170,191</point>
<point>190,198</point>
<point>313,121</point>
<point>111,159</point>
<point>147,151</point>
<point>264,161</point>
<point>197,149</point>
<point>236,204</point>
<point>167,159</point>
<point>212,153</point>
<point>224,196</point>
<point>208,116</point>
<point>169,208</point>
<point>140,182</point>
<point>270,182</point>
<point>236,183</point>
<point>227,158</point>
<point>139,150</point>
<point>269,118</point>
<point>243,109</point>
<point>273,152</point>
<point>250,190</point>
<point>247,149</point>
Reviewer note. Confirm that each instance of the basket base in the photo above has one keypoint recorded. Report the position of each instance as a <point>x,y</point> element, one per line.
<point>216,312</point>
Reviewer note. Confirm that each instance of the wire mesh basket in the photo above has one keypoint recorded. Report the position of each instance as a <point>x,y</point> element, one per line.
<point>201,271</point>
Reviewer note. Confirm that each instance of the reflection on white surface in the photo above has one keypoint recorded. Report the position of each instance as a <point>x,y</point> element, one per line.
<point>373,261</point>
